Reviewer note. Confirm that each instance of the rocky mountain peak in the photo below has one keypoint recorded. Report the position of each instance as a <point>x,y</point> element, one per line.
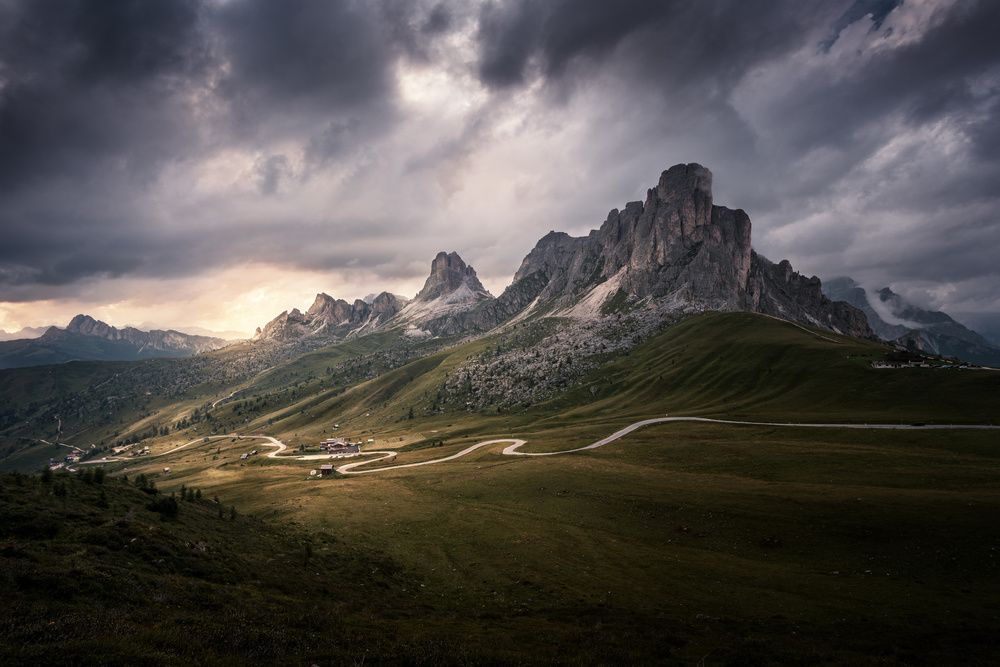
<point>448,274</point>
<point>85,324</point>
<point>675,252</point>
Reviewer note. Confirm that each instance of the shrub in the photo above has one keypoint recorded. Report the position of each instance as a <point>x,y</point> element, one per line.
<point>166,506</point>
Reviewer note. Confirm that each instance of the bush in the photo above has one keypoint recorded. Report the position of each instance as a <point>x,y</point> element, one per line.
<point>166,506</point>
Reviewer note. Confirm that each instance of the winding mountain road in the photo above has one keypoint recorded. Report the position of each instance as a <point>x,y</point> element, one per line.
<point>512,449</point>
<point>516,444</point>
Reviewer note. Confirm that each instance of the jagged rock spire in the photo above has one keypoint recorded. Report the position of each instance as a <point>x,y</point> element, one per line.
<point>448,274</point>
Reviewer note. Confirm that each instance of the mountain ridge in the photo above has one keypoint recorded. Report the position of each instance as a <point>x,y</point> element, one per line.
<point>88,339</point>
<point>676,252</point>
<point>919,330</point>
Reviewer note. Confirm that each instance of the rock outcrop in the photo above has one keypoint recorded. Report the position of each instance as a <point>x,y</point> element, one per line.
<point>778,290</point>
<point>676,249</point>
<point>451,288</point>
<point>332,319</point>
<point>675,252</point>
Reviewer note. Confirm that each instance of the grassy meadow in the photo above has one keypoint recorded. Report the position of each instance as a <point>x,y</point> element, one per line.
<point>680,543</point>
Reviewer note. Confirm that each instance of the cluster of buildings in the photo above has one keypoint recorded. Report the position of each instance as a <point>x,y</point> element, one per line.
<point>339,446</point>
<point>901,359</point>
<point>244,457</point>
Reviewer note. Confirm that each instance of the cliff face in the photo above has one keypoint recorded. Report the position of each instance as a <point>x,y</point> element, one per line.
<point>778,290</point>
<point>676,248</point>
<point>452,278</point>
<point>332,318</point>
<point>677,244</point>
<point>451,288</point>
<point>676,251</point>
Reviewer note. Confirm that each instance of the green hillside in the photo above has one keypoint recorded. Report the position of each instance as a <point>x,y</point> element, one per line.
<point>728,365</point>
<point>731,365</point>
<point>679,543</point>
<point>753,367</point>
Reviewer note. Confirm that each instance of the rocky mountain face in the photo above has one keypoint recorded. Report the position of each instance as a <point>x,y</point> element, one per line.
<point>778,290</point>
<point>85,338</point>
<point>451,288</point>
<point>331,318</point>
<point>675,246</point>
<point>925,331</point>
<point>676,252</point>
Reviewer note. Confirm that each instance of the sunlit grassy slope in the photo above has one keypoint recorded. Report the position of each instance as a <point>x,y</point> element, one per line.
<point>733,365</point>
<point>737,366</point>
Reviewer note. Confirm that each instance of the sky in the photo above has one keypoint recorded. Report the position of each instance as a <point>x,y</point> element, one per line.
<point>212,163</point>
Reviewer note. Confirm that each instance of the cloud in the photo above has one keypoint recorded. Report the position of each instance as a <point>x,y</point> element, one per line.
<point>171,141</point>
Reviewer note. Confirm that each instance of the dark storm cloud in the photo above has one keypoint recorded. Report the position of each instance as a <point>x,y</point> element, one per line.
<point>671,42</point>
<point>158,138</point>
<point>923,81</point>
<point>313,52</point>
<point>99,96</point>
<point>90,80</point>
<point>699,57</point>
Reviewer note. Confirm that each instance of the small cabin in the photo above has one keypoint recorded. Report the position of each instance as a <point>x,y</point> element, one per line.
<point>326,469</point>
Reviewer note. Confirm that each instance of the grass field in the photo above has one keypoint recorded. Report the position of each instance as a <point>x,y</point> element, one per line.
<point>680,543</point>
<point>770,543</point>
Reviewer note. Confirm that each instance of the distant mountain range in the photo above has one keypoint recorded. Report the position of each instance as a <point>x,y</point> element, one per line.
<point>648,263</point>
<point>926,331</point>
<point>674,253</point>
<point>26,332</point>
<point>85,338</point>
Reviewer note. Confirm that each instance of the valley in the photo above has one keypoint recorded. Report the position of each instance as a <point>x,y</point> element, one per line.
<point>745,543</point>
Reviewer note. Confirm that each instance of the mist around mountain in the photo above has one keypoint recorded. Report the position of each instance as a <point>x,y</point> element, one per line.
<point>87,339</point>
<point>985,324</point>
<point>23,334</point>
<point>896,321</point>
